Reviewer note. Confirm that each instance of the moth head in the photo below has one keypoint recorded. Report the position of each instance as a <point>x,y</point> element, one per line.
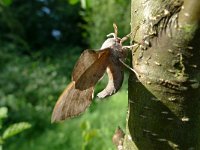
<point>110,42</point>
<point>113,40</point>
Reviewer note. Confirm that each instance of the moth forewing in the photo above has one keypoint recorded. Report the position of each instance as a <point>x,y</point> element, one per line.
<point>87,58</point>
<point>72,102</point>
<point>92,75</point>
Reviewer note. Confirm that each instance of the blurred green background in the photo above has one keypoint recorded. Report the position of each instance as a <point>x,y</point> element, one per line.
<point>40,41</point>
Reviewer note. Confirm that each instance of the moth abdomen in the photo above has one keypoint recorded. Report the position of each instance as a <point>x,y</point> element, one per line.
<point>115,79</point>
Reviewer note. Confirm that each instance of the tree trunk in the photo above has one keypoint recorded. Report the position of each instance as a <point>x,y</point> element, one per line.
<point>164,99</point>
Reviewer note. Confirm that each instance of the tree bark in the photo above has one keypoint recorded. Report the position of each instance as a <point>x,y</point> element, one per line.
<point>164,99</point>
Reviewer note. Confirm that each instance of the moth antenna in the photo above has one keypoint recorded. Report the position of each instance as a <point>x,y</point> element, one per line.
<point>129,67</point>
<point>112,34</point>
<point>115,32</point>
<point>115,29</point>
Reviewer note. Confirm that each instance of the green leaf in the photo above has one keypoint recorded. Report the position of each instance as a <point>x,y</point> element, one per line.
<point>1,141</point>
<point>7,2</point>
<point>73,2</point>
<point>85,125</point>
<point>3,112</point>
<point>85,4</point>
<point>90,135</point>
<point>15,129</point>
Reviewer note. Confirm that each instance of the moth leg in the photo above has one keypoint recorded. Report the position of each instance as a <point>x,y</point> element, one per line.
<point>126,49</point>
<point>126,38</point>
<point>130,46</point>
<point>127,66</point>
<point>129,35</point>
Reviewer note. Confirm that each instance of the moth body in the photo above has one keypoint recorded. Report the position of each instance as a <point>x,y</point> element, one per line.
<point>115,69</point>
<point>115,46</point>
<point>108,43</point>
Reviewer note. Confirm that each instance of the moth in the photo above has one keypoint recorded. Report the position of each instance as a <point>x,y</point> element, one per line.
<point>88,70</point>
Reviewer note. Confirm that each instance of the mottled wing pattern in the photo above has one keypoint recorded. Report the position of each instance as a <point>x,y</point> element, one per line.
<point>72,102</point>
<point>115,78</point>
<point>87,58</point>
<point>92,74</point>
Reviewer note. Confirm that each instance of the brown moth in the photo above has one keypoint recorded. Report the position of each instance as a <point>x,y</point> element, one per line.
<point>88,70</point>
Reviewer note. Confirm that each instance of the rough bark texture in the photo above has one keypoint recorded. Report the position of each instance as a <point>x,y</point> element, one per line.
<point>164,100</point>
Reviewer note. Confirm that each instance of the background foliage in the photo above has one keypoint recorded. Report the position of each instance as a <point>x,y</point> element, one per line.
<point>40,41</point>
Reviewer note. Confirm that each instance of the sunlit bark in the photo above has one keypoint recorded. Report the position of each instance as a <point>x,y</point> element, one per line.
<point>164,100</point>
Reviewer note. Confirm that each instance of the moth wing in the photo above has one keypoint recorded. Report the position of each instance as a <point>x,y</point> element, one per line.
<point>72,102</point>
<point>87,58</point>
<point>115,79</point>
<point>93,73</point>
